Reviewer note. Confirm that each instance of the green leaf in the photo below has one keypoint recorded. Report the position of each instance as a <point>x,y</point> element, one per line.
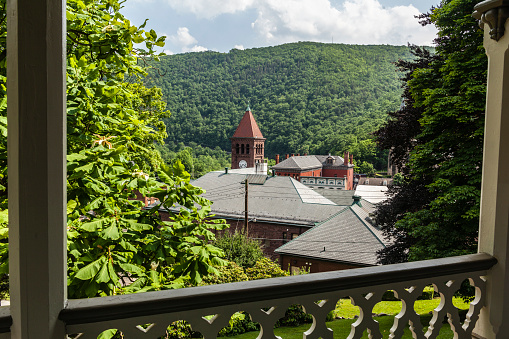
<point>111,232</point>
<point>103,276</point>
<point>93,225</point>
<point>130,268</point>
<point>89,271</point>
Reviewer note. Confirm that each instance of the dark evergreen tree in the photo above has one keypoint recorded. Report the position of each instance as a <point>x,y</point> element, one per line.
<point>437,137</point>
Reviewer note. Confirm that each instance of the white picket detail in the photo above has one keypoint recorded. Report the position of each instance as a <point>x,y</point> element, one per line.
<point>268,312</point>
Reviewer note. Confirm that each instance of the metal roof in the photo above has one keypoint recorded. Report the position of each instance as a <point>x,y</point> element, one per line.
<point>345,237</point>
<point>373,194</point>
<point>278,199</point>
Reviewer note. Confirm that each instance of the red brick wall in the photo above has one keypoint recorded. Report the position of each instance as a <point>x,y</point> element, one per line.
<point>313,264</point>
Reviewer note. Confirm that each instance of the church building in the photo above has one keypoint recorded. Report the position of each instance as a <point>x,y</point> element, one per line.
<point>248,144</point>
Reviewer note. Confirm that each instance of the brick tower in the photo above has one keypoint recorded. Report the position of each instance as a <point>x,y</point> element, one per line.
<point>248,143</point>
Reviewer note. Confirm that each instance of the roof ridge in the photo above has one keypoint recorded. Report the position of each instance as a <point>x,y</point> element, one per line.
<point>367,227</point>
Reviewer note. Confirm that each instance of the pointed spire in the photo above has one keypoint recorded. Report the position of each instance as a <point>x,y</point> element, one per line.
<point>248,128</point>
<point>248,108</point>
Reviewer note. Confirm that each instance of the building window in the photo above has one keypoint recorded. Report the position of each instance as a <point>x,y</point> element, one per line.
<point>242,149</point>
<point>335,175</point>
<point>237,148</point>
<point>247,149</point>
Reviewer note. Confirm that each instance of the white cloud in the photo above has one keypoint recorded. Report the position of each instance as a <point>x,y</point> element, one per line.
<point>195,48</point>
<point>241,47</point>
<point>352,21</point>
<point>168,52</point>
<point>186,41</point>
<point>183,38</point>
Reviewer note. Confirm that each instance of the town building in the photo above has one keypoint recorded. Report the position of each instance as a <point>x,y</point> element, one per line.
<point>348,239</point>
<point>329,171</point>
<point>248,145</point>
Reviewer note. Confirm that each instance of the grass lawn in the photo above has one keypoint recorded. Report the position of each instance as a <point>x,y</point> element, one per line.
<point>342,328</point>
<point>345,309</point>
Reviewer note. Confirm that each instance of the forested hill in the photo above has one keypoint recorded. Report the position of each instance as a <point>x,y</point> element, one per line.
<point>306,97</point>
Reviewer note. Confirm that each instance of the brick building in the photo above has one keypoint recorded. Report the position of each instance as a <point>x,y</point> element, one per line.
<point>283,215</point>
<point>248,143</point>
<point>318,170</point>
<point>346,240</point>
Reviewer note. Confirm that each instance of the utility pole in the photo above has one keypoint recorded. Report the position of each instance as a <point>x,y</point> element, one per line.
<point>246,207</point>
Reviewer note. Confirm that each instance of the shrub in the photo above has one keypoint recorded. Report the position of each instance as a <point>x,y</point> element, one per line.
<point>231,272</point>
<point>239,248</point>
<point>264,269</point>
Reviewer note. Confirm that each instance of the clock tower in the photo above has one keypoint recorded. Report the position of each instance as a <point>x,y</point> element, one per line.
<point>248,143</point>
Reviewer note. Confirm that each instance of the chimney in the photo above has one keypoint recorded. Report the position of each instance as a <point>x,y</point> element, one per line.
<point>305,154</point>
<point>346,156</point>
<point>351,159</point>
<point>298,154</point>
<point>293,154</point>
<point>277,159</point>
<point>356,200</point>
<point>226,170</point>
<point>287,156</point>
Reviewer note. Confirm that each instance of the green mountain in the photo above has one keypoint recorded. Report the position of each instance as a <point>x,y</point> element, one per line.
<point>306,97</point>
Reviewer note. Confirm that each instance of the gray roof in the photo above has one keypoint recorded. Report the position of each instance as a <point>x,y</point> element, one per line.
<point>308,162</point>
<point>340,197</point>
<point>346,237</point>
<point>278,199</point>
<point>373,194</point>
<point>299,162</point>
<point>338,161</point>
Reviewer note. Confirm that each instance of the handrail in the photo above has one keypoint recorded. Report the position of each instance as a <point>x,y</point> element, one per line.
<point>102,309</point>
<point>5,319</point>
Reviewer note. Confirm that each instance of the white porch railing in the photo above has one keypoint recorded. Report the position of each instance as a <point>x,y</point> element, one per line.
<point>365,286</point>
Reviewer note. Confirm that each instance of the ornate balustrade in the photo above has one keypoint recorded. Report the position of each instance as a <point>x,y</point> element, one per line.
<point>147,315</point>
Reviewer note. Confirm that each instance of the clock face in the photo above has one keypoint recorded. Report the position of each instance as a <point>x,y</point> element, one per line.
<point>242,164</point>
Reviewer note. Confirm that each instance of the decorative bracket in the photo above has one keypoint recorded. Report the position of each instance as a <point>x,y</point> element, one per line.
<point>494,13</point>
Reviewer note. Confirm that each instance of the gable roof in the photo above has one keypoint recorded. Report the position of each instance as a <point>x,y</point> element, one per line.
<point>307,162</point>
<point>346,237</point>
<point>248,128</point>
<point>277,199</point>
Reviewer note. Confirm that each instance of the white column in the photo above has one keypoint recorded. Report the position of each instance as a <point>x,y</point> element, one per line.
<point>36,160</point>
<point>494,219</point>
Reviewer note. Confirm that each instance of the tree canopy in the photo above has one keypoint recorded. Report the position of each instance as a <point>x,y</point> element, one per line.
<point>114,244</point>
<point>437,138</point>
<point>306,97</point>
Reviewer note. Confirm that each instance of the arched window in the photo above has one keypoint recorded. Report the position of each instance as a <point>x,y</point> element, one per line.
<point>247,149</point>
<point>237,148</point>
<point>242,148</point>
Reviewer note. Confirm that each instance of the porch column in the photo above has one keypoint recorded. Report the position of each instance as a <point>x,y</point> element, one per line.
<point>36,161</point>
<point>494,218</point>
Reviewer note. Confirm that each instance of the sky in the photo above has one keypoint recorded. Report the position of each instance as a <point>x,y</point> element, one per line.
<point>221,25</point>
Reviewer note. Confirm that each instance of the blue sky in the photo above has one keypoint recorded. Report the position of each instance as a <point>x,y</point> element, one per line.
<point>220,25</point>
